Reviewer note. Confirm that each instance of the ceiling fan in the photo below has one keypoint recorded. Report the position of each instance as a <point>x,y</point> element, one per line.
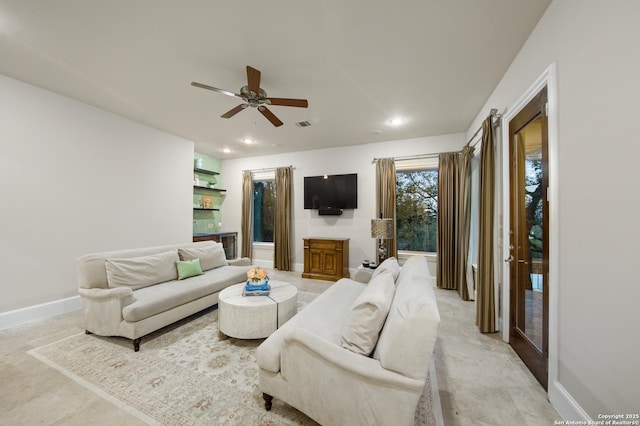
<point>255,97</point>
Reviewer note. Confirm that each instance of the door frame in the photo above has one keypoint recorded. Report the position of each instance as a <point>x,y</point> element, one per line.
<point>549,79</point>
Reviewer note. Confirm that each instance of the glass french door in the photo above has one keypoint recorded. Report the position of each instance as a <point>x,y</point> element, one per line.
<point>529,236</point>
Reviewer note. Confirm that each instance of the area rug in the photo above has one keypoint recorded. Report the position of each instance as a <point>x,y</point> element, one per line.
<point>186,374</point>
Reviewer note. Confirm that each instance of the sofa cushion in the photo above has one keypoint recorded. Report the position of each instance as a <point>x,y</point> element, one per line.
<point>368,313</point>
<point>414,318</point>
<point>188,268</point>
<point>150,301</point>
<point>143,271</point>
<point>389,264</point>
<point>212,256</point>
<point>325,317</point>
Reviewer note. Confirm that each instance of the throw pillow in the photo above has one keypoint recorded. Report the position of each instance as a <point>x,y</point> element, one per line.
<point>143,271</point>
<point>211,256</point>
<point>389,264</point>
<point>368,313</point>
<point>188,268</point>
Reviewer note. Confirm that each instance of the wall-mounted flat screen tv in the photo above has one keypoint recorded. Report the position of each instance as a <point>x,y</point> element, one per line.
<point>331,192</point>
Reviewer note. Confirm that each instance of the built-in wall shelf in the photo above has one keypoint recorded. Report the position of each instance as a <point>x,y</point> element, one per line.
<point>209,189</point>
<point>206,172</point>
<point>207,196</point>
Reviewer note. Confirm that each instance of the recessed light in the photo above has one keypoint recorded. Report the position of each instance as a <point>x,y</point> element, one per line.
<point>226,150</point>
<point>396,121</point>
<point>248,141</point>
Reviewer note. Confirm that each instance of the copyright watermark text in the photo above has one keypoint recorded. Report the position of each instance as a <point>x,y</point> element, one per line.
<point>605,420</point>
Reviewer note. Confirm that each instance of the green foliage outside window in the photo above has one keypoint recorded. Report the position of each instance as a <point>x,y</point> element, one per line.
<point>533,203</point>
<point>264,203</point>
<point>417,210</point>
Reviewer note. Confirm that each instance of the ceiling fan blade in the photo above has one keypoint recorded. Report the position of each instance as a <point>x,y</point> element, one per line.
<point>215,89</point>
<point>234,111</point>
<point>300,103</point>
<point>270,116</point>
<point>253,79</point>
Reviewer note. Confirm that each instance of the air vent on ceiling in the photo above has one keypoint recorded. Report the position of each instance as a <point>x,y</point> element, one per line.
<point>303,124</point>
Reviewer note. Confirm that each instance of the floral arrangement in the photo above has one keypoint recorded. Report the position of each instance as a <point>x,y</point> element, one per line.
<point>257,275</point>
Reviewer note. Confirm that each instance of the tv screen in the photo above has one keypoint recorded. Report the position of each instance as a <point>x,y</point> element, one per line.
<point>331,192</point>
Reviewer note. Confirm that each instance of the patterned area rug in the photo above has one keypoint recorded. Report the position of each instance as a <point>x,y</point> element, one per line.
<point>184,374</point>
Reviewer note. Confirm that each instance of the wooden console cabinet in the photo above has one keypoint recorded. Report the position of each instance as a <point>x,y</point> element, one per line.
<point>326,258</point>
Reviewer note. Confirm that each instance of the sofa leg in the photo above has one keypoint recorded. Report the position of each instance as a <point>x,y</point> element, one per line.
<point>136,344</point>
<point>267,401</point>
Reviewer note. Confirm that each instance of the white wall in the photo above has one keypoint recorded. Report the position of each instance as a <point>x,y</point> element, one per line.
<point>594,45</point>
<point>75,179</point>
<point>353,224</point>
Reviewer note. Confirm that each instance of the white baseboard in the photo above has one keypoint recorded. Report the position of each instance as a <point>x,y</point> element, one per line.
<point>565,405</point>
<point>265,264</point>
<point>268,264</point>
<point>45,310</point>
<point>296,267</point>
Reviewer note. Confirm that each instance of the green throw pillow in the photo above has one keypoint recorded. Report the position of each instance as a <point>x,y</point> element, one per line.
<point>188,268</point>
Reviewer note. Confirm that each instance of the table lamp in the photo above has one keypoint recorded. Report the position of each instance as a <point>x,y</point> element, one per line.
<point>382,229</point>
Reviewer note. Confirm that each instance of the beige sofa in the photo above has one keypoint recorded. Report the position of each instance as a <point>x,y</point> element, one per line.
<point>131,293</point>
<point>318,361</point>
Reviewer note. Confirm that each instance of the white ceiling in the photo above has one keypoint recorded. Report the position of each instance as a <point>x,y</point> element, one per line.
<point>358,62</point>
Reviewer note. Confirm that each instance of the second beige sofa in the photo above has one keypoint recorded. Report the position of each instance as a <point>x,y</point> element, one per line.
<point>318,362</point>
<point>131,293</point>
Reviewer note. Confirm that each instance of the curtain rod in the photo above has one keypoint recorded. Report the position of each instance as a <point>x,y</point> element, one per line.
<point>493,114</point>
<point>268,169</point>
<point>416,157</point>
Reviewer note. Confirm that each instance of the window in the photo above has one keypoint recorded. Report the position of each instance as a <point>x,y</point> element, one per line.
<point>264,204</point>
<point>417,205</point>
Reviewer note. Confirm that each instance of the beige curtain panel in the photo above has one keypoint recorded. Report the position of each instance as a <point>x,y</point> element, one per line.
<point>485,304</point>
<point>247,210</point>
<point>447,183</point>
<point>282,226</point>
<point>386,198</point>
<point>463,224</point>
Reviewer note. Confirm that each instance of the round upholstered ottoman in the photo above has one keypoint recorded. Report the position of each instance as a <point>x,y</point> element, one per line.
<point>256,317</point>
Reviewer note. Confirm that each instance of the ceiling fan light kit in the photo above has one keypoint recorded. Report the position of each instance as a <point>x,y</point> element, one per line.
<point>255,97</point>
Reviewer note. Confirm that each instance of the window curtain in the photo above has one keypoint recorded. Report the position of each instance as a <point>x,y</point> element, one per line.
<point>463,222</point>
<point>386,199</point>
<point>246,220</point>
<point>447,218</point>
<point>282,225</point>
<point>485,304</point>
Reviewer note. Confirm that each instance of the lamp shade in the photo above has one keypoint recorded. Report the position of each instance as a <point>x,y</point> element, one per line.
<point>382,229</point>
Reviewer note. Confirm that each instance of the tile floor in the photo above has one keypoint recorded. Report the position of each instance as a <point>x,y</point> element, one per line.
<point>481,380</point>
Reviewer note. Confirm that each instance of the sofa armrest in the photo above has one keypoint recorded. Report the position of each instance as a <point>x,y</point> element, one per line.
<point>102,309</point>
<point>241,261</point>
<point>333,385</point>
<point>107,293</point>
<point>366,368</point>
